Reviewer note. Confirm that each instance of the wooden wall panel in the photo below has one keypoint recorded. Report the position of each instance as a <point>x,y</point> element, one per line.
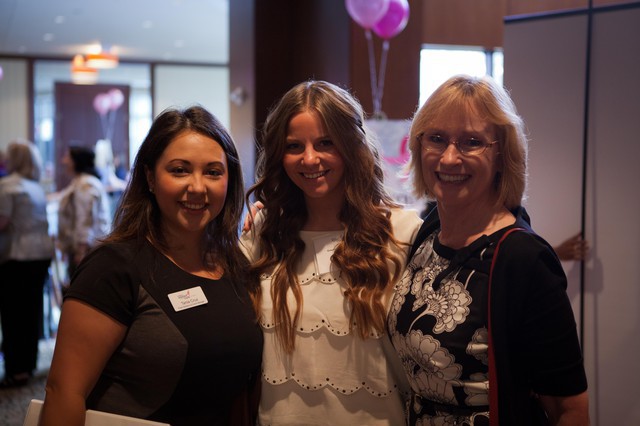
<point>77,123</point>
<point>523,7</point>
<point>295,41</point>
<point>597,3</point>
<point>463,22</point>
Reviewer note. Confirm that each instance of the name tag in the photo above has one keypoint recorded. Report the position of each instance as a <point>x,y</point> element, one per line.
<point>185,299</point>
<point>324,247</point>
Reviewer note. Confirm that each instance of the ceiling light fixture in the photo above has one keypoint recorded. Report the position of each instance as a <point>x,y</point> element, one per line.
<point>81,73</point>
<point>101,60</point>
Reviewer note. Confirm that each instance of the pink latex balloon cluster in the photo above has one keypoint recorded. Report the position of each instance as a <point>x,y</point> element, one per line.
<point>387,18</point>
<point>109,101</point>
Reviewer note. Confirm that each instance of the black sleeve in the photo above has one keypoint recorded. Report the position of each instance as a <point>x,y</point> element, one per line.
<point>106,280</point>
<point>542,325</point>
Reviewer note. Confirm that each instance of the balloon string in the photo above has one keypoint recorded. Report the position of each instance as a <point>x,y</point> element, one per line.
<point>103,122</point>
<point>112,117</point>
<point>372,72</point>
<point>383,66</point>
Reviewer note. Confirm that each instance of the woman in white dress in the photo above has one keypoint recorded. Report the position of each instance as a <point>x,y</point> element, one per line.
<point>329,245</point>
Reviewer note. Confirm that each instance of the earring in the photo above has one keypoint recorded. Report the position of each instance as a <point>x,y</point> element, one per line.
<point>151,190</point>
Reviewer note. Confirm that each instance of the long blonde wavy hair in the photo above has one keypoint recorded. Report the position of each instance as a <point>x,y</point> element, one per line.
<point>364,250</point>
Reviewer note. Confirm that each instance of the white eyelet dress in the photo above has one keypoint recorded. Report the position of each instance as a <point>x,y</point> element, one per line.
<point>333,377</point>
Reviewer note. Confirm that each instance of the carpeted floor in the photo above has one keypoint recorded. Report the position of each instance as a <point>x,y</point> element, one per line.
<point>14,402</point>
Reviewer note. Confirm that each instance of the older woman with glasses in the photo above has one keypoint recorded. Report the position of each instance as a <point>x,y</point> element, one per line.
<point>481,319</point>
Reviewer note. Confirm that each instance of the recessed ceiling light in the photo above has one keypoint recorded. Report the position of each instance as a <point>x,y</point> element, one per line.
<point>59,19</point>
<point>81,73</point>
<point>95,47</point>
<point>178,43</point>
<point>47,37</point>
<point>147,24</point>
<point>101,60</point>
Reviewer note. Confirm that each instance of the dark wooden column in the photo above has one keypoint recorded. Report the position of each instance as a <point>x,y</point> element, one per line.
<point>295,41</point>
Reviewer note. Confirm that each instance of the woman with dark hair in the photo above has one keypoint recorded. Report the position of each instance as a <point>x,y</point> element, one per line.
<point>158,322</point>
<point>481,319</point>
<point>84,213</point>
<point>26,250</point>
<point>328,246</point>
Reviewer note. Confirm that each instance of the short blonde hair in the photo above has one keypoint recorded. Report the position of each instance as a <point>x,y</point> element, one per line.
<point>23,158</point>
<point>488,98</point>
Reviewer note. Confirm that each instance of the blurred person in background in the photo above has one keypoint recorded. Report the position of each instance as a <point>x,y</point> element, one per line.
<point>26,250</point>
<point>84,213</point>
<point>3,163</point>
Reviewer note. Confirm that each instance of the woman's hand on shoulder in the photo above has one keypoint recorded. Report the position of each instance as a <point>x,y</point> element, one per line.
<point>253,211</point>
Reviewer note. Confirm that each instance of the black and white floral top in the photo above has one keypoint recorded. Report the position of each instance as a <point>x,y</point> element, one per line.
<point>438,325</point>
<point>333,377</point>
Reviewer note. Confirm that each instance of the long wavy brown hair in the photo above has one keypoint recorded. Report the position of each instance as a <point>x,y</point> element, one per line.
<point>363,252</point>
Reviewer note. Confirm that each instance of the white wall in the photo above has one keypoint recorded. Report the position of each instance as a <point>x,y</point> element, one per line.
<point>183,86</point>
<point>613,282</point>
<point>14,102</point>
<point>547,81</point>
<point>545,69</point>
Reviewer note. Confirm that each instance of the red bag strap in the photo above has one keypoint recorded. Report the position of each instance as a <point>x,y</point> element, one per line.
<point>493,376</point>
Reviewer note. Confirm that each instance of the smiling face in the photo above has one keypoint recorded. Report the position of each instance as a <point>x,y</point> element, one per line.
<point>190,182</point>
<point>456,179</point>
<point>312,161</point>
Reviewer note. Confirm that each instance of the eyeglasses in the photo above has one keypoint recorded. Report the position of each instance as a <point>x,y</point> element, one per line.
<point>438,144</point>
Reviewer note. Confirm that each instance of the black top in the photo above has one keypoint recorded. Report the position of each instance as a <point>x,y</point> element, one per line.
<point>185,367</point>
<point>439,325</point>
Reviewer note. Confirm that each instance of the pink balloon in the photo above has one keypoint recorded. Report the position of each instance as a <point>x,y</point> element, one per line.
<point>394,21</point>
<point>367,12</point>
<point>102,103</point>
<point>116,97</point>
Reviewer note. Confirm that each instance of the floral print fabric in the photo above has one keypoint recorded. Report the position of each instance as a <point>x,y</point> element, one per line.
<point>438,325</point>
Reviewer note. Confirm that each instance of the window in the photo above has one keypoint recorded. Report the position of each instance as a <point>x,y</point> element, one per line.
<point>439,62</point>
<point>47,72</point>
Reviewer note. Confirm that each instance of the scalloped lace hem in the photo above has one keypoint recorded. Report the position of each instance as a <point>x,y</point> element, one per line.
<point>341,389</point>
<point>307,278</point>
<point>311,327</point>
